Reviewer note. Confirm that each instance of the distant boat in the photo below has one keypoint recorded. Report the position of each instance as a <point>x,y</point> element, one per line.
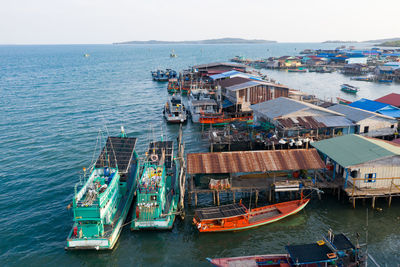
<point>234,217</point>
<point>385,81</point>
<point>297,70</point>
<point>163,75</point>
<point>172,54</point>
<point>349,88</point>
<point>343,101</point>
<point>364,79</point>
<point>86,55</point>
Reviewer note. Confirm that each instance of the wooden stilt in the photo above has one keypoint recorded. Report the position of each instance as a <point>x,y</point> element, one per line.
<point>373,202</point>
<point>390,200</point>
<point>195,199</point>
<point>256,197</point>
<point>363,201</point>
<point>234,197</point>
<point>338,193</point>
<point>354,202</point>
<point>290,195</point>
<point>270,194</point>
<point>218,198</point>
<point>319,195</point>
<point>213,196</point>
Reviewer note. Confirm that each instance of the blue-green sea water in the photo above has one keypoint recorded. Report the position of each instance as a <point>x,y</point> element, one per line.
<point>53,101</point>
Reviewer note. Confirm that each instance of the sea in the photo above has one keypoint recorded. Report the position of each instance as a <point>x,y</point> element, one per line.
<point>56,104</point>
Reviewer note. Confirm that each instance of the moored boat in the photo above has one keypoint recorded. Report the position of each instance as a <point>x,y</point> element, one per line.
<point>102,199</point>
<point>343,101</point>
<point>158,191</point>
<point>298,70</point>
<point>385,81</point>
<point>163,75</point>
<point>174,110</point>
<point>334,251</point>
<point>201,104</point>
<point>364,79</point>
<point>234,217</point>
<point>349,88</point>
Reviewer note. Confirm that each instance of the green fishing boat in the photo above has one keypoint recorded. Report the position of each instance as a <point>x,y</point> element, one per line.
<point>103,197</point>
<point>158,191</point>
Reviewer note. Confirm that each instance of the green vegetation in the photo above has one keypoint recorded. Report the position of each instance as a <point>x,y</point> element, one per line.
<point>391,43</point>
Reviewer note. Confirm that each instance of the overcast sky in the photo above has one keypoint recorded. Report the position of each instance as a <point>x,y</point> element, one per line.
<point>107,21</point>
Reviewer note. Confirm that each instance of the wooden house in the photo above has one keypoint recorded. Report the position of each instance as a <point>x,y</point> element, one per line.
<point>368,123</point>
<point>366,164</point>
<point>244,92</point>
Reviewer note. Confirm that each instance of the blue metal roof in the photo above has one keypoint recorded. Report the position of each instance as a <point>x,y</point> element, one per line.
<point>395,113</point>
<point>369,105</point>
<point>225,74</point>
<point>242,85</point>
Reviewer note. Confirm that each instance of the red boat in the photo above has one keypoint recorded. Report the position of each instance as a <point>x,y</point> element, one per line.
<point>234,217</point>
<point>343,101</point>
<point>277,260</point>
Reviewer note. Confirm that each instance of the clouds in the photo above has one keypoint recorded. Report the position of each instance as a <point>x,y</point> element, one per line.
<point>103,21</point>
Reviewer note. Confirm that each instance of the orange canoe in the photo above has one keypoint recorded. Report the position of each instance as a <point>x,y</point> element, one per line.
<point>234,217</point>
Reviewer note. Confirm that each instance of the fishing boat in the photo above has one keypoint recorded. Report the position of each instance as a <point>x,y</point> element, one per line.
<point>158,191</point>
<point>172,54</point>
<point>175,86</point>
<point>201,104</point>
<point>336,251</point>
<point>385,81</point>
<point>298,70</point>
<point>163,75</point>
<point>234,217</point>
<point>103,197</point>
<point>349,88</point>
<point>343,101</point>
<point>174,110</point>
<point>364,79</point>
<point>225,118</point>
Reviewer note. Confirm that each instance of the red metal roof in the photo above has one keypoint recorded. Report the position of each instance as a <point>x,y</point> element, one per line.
<point>253,161</point>
<point>391,99</point>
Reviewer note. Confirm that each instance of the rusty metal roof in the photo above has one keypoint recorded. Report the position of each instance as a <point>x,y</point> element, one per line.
<point>253,161</point>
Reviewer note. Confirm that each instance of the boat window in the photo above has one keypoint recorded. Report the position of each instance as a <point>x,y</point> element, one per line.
<point>366,129</point>
<point>392,126</point>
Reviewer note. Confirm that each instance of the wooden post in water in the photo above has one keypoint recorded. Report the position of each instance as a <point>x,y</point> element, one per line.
<point>390,200</point>
<point>213,193</point>
<point>338,193</point>
<point>373,202</point>
<point>354,202</point>
<point>217,197</point>
<point>195,199</point>
<point>234,197</point>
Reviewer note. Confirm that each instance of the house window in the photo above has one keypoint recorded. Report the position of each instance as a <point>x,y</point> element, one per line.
<point>392,126</point>
<point>366,129</point>
<point>370,178</point>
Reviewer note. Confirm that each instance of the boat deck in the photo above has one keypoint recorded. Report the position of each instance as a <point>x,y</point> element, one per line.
<point>341,242</point>
<point>221,212</point>
<point>309,253</point>
<point>264,216</point>
<point>158,147</point>
<point>121,149</point>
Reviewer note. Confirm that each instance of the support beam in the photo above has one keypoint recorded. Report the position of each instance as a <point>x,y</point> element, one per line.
<point>373,202</point>
<point>334,171</point>
<point>354,202</point>
<point>234,197</point>
<point>256,197</point>
<point>390,200</point>
<point>347,177</point>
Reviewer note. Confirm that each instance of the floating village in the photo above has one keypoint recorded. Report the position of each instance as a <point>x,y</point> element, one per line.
<point>265,140</point>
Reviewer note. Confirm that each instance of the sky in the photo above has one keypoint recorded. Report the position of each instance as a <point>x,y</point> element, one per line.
<point>108,21</point>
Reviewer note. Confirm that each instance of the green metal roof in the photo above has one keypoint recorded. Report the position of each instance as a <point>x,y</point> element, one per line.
<point>350,150</point>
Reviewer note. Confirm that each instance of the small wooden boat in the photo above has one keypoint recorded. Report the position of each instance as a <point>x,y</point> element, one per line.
<point>334,251</point>
<point>343,101</point>
<point>297,70</point>
<point>385,81</point>
<point>234,217</point>
<point>349,88</point>
<point>364,79</point>
<point>172,54</point>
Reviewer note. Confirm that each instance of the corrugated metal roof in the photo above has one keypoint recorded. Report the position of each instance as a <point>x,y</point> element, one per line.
<point>355,114</point>
<point>349,150</point>
<point>253,161</point>
<point>284,106</point>
<point>390,99</point>
<point>233,81</point>
<point>243,85</point>
<point>368,105</point>
<point>334,121</point>
<point>225,74</point>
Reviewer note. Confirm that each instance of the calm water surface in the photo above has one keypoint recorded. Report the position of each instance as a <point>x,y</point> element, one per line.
<point>53,103</point>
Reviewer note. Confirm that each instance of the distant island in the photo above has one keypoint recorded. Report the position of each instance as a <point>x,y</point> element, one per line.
<point>338,42</point>
<point>390,43</point>
<point>382,40</point>
<point>209,41</point>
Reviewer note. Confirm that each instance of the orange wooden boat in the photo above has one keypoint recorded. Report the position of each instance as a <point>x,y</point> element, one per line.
<point>234,217</point>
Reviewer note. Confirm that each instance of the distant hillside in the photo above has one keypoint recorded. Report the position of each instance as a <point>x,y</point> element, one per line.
<point>391,43</point>
<point>382,40</point>
<point>209,41</point>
